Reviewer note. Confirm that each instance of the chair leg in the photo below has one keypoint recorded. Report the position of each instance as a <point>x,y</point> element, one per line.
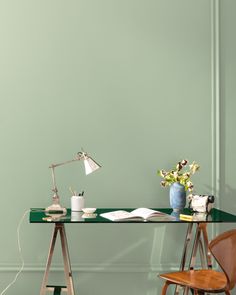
<point>227,292</point>
<point>164,288</point>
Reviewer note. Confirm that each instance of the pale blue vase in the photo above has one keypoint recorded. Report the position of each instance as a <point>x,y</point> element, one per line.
<point>177,196</point>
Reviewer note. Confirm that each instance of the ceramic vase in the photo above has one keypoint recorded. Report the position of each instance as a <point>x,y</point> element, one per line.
<point>177,197</point>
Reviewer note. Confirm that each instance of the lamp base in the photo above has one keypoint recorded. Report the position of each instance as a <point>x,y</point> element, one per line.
<point>55,209</point>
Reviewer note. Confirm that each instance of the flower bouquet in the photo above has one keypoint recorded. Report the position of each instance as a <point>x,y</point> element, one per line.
<point>180,174</point>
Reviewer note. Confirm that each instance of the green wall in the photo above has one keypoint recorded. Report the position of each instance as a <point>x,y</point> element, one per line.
<point>139,84</point>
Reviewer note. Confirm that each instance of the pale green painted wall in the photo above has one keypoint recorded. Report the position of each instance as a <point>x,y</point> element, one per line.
<point>131,82</point>
<point>228,107</point>
<point>228,90</point>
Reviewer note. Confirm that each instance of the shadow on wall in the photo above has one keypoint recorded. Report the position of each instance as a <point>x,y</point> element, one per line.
<point>228,199</point>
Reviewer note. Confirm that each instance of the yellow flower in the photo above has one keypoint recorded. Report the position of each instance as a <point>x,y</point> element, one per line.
<point>163,173</point>
<point>194,167</point>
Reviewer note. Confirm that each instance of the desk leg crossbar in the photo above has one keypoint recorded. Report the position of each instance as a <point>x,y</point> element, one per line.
<point>69,288</point>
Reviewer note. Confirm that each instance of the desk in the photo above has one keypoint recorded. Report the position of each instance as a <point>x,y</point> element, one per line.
<point>37,215</point>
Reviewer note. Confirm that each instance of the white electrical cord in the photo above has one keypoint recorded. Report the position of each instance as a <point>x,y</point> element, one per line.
<point>20,254</point>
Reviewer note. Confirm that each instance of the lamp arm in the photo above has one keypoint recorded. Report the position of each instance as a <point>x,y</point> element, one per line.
<point>54,189</point>
<point>64,163</point>
<point>53,166</point>
<point>80,156</point>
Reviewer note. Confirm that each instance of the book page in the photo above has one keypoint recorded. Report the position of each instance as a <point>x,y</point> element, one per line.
<point>146,213</point>
<point>117,215</point>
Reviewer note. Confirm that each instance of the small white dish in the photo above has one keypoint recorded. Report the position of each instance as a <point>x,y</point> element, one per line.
<point>89,210</point>
<point>90,215</point>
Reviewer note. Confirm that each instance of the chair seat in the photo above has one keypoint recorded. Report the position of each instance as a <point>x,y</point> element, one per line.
<point>205,279</point>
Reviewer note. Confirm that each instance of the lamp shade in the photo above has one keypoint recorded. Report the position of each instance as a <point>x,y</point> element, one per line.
<point>90,165</point>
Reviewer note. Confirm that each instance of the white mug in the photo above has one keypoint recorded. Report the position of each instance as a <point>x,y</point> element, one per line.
<point>77,203</point>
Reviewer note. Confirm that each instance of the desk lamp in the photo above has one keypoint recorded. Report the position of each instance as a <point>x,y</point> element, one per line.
<point>90,166</point>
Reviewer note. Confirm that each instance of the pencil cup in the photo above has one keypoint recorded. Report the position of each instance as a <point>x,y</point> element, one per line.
<point>77,203</point>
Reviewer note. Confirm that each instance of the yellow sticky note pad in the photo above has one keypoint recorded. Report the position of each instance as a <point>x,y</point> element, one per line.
<point>186,217</point>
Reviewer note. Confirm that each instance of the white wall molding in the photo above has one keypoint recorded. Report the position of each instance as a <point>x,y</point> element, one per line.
<point>215,98</point>
<point>94,268</point>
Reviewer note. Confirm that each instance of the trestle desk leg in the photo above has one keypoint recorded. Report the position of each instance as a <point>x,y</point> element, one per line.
<point>49,261</point>
<point>202,253</point>
<point>202,238</point>
<point>195,247</point>
<point>201,233</point>
<point>206,243</point>
<point>186,245</point>
<point>185,252</point>
<point>66,261</point>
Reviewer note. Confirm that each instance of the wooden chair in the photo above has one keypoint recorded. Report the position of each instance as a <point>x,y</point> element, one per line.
<point>223,249</point>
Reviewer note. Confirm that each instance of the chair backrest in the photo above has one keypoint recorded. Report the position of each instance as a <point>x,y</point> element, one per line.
<point>223,248</point>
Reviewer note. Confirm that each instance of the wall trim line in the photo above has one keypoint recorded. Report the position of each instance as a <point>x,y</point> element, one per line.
<point>215,98</point>
<point>94,268</point>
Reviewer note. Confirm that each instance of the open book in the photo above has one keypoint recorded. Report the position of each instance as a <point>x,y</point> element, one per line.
<point>140,213</point>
